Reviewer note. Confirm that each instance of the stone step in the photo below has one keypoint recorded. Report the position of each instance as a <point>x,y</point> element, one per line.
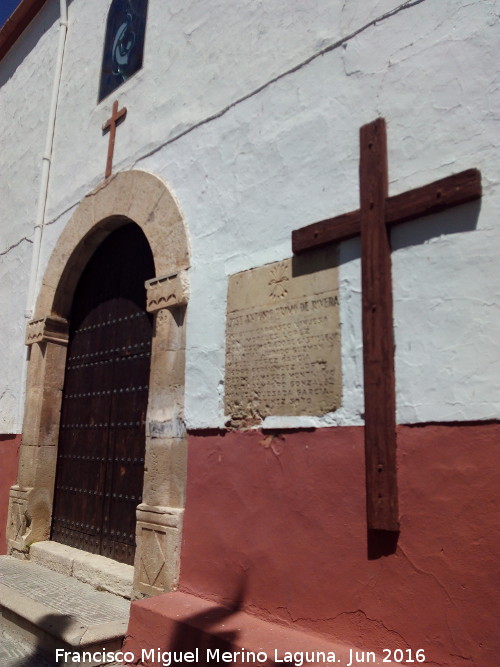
<point>42,611</point>
<point>98,571</point>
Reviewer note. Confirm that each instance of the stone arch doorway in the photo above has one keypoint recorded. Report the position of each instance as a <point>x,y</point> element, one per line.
<point>129,197</point>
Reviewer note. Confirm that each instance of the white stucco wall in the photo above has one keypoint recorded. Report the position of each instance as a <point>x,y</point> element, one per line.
<point>26,75</point>
<point>250,112</point>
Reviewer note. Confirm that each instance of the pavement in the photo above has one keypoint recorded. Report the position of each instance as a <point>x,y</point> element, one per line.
<point>15,652</point>
<point>42,609</point>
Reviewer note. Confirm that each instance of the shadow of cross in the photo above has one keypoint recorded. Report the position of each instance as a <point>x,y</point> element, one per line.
<point>377,213</point>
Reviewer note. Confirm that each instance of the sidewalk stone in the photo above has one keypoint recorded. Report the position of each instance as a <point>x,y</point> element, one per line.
<point>41,610</point>
<point>16,653</point>
<point>65,595</point>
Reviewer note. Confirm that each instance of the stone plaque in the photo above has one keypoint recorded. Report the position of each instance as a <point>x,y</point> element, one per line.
<point>283,352</point>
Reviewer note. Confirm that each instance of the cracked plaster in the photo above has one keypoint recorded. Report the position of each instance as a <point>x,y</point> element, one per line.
<point>304,560</point>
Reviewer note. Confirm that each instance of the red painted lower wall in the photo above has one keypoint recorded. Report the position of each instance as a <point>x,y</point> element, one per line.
<point>9,458</point>
<point>278,522</point>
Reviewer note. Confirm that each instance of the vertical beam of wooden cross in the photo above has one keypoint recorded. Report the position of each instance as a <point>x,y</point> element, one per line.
<point>378,336</point>
<point>117,116</point>
<point>378,212</point>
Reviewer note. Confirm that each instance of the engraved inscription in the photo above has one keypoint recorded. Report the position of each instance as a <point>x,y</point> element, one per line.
<point>283,342</point>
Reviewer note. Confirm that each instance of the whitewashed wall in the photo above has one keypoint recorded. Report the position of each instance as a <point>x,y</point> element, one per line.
<point>250,112</point>
<point>26,74</point>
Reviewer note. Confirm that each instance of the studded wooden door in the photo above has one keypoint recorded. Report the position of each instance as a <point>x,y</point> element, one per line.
<point>100,460</point>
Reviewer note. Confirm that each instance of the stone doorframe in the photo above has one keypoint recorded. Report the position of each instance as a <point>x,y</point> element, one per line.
<point>133,196</point>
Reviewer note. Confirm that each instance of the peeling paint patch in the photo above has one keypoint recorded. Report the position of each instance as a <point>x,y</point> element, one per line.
<point>172,428</point>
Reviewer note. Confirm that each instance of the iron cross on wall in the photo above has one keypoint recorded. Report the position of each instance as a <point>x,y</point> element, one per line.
<point>117,116</point>
<point>377,213</point>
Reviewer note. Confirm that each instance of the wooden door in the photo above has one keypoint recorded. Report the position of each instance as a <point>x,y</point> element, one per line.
<point>100,460</point>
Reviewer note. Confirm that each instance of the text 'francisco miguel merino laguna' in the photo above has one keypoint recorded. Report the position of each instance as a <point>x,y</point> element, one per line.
<point>169,658</point>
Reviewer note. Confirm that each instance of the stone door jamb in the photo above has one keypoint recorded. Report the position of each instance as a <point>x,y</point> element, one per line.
<point>142,198</point>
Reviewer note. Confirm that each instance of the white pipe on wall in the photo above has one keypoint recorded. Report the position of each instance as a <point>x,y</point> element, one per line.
<point>46,161</point>
<point>44,188</point>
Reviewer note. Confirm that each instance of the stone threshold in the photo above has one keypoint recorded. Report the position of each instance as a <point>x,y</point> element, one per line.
<point>104,574</point>
<point>49,610</point>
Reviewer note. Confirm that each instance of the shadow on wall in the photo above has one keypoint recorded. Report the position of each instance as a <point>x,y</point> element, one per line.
<point>381,543</point>
<point>213,629</point>
<point>457,220</point>
<point>198,629</point>
<point>47,17</point>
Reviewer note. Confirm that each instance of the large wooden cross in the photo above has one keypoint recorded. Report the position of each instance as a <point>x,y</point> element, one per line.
<point>377,213</point>
<point>117,116</point>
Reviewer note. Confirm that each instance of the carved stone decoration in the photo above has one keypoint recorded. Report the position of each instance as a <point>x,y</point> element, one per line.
<point>18,527</point>
<point>158,549</point>
<point>153,559</point>
<point>277,282</point>
<point>53,329</point>
<point>167,292</point>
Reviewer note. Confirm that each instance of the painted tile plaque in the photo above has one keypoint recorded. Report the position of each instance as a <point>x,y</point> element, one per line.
<point>283,352</point>
<point>124,43</point>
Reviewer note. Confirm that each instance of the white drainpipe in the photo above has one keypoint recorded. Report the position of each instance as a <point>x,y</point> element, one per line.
<point>44,187</point>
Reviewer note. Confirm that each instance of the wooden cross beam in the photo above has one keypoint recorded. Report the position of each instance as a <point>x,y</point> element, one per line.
<point>117,116</point>
<point>377,213</point>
